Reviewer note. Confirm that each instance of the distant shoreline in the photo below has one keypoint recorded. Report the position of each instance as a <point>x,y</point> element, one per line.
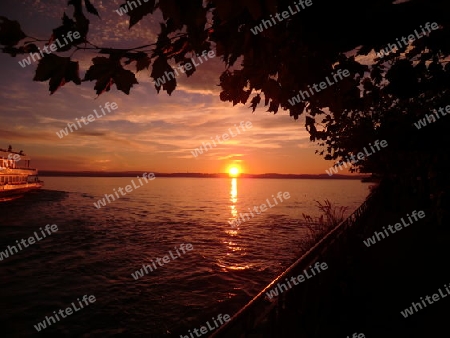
<point>46,173</point>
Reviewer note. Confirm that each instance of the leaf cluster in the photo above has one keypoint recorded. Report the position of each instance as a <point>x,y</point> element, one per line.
<point>379,100</point>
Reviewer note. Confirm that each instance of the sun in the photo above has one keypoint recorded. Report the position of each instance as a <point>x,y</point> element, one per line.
<point>233,171</point>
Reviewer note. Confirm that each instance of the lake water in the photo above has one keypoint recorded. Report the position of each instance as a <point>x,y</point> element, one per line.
<point>95,251</point>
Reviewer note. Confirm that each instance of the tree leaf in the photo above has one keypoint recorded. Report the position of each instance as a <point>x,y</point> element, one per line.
<point>90,8</point>
<point>273,106</point>
<point>193,68</point>
<point>143,63</point>
<point>271,6</point>
<point>60,34</point>
<point>224,9</point>
<point>124,80</point>
<point>171,9</point>
<point>26,48</point>
<point>10,32</point>
<point>77,5</point>
<point>137,13</point>
<point>108,71</point>
<point>59,70</point>
<point>255,101</point>
<point>161,73</point>
<point>254,7</point>
<point>102,70</point>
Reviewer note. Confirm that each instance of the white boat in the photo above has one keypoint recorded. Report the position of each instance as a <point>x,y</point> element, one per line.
<point>16,176</point>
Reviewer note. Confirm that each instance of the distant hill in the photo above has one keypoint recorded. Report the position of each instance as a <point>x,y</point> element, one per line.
<point>193,175</point>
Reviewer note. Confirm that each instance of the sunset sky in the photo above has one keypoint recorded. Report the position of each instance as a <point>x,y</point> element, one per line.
<point>148,131</point>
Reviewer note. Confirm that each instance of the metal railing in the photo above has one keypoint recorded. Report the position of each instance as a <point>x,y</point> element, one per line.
<point>280,316</point>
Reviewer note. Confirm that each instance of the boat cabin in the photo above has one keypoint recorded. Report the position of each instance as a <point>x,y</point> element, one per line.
<point>15,168</point>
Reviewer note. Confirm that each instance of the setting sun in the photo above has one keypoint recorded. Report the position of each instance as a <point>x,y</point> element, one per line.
<point>233,171</point>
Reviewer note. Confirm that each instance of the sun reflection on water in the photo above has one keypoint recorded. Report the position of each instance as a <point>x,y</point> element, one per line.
<point>233,198</point>
<point>235,255</point>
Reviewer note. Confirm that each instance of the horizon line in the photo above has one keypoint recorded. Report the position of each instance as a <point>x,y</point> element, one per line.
<point>191,174</point>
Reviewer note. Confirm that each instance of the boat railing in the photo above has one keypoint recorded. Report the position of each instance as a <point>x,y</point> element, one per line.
<point>25,168</point>
<point>264,317</point>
